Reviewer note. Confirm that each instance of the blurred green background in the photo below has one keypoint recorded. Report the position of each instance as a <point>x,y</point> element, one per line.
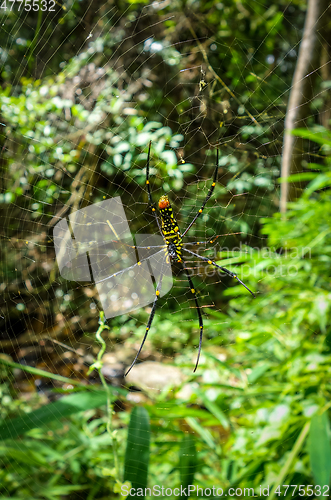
<point>84,87</point>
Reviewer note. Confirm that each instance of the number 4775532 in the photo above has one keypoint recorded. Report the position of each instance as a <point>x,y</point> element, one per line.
<point>27,5</point>
<point>303,490</point>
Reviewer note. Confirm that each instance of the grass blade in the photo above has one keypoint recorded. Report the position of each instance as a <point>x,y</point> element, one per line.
<point>319,449</point>
<point>204,433</point>
<point>64,407</point>
<point>290,459</point>
<point>187,461</point>
<point>214,409</point>
<point>137,449</point>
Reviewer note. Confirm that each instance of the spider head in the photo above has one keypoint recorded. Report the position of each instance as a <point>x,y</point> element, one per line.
<point>164,202</point>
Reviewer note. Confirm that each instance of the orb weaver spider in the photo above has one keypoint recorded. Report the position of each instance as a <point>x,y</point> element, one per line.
<point>174,245</point>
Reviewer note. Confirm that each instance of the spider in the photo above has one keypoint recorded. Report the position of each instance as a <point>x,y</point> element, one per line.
<point>173,239</point>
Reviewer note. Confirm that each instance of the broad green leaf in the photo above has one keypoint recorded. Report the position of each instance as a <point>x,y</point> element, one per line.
<point>67,405</point>
<point>319,449</point>
<point>187,461</point>
<point>137,449</point>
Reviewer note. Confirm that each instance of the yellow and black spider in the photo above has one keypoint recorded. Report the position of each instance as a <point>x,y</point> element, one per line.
<point>173,239</point>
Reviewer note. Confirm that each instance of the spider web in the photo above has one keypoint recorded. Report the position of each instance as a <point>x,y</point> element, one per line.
<point>87,95</point>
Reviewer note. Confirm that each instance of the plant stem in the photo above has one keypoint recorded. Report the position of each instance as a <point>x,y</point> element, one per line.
<point>98,364</point>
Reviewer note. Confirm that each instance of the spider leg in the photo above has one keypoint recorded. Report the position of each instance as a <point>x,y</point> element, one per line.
<point>210,192</point>
<point>209,242</point>
<point>226,271</point>
<point>151,317</point>
<point>150,199</point>
<point>198,310</point>
<point>138,263</point>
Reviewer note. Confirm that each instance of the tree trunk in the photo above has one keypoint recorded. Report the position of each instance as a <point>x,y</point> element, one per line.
<point>300,97</point>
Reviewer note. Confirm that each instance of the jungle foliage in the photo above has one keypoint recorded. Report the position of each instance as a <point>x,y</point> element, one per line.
<point>75,131</point>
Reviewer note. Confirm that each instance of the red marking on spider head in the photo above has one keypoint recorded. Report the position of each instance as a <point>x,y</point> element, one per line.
<point>164,202</point>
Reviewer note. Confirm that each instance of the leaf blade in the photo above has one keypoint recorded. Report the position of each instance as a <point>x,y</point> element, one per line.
<point>137,449</point>
<point>319,449</point>
<point>187,461</point>
<point>64,407</point>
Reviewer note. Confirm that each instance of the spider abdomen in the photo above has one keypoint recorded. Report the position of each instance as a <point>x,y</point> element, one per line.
<point>170,230</point>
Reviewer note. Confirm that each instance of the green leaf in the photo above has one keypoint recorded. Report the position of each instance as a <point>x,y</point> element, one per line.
<point>204,433</point>
<point>64,407</point>
<point>291,457</point>
<point>137,449</point>
<point>320,182</point>
<point>214,409</point>
<point>302,176</point>
<point>321,137</point>
<point>27,457</point>
<point>41,373</point>
<point>64,489</point>
<point>319,449</point>
<point>187,461</point>
<point>257,372</point>
<point>54,376</point>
